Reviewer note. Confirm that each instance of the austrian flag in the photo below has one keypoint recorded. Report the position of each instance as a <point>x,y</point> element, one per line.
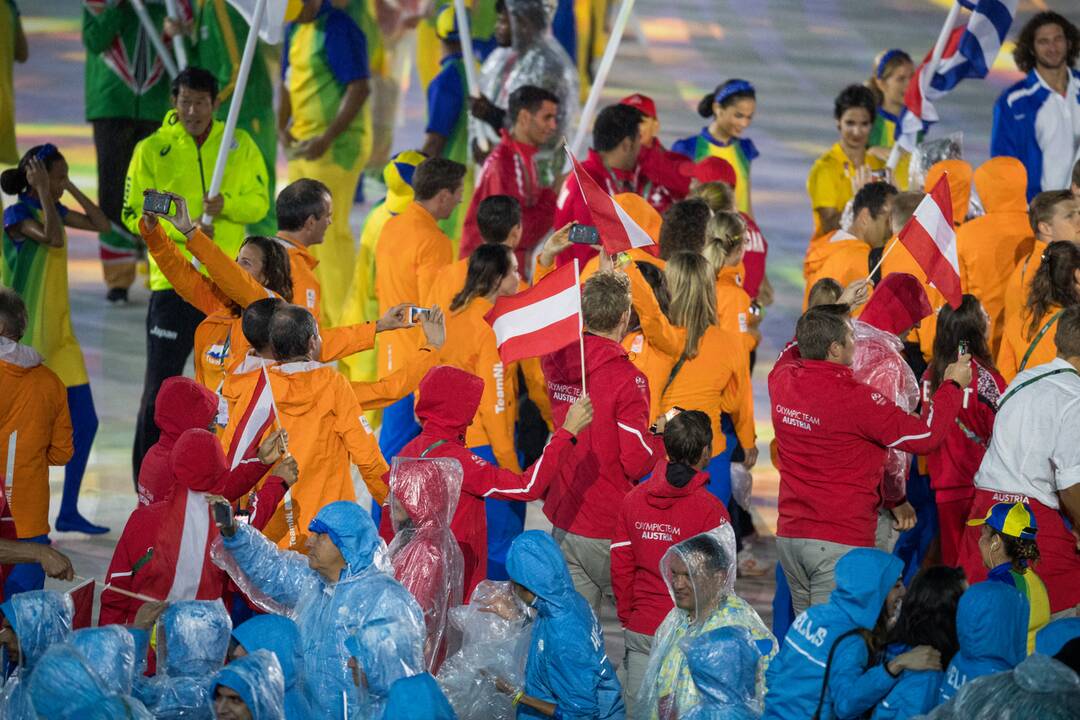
<point>618,231</point>
<point>540,320</point>
<point>255,422</point>
<point>930,238</point>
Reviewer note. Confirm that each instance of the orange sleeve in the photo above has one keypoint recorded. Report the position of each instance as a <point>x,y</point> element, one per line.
<point>433,254</point>
<point>61,446</point>
<point>189,284</point>
<point>361,444</point>
<point>537,386</point>
<point>541,271</point>
<point>398,384</point>
<point>658,331</point>
<point>340,342</point>
<point>495,413</point>
<point>231,279</point>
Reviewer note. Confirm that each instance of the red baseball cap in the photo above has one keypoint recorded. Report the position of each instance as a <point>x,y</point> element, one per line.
<point>711,169</point>
<point>644,103</point>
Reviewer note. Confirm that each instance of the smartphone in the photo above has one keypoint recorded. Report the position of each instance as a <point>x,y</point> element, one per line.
<point>962,349</point>
<point>416,314</point>
<point>584,235</point>
<point>223,514</point>
<point>157,203</point>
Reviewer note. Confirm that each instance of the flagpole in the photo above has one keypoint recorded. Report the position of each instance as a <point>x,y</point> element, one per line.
<point>155,37</point>
<point>581,327</point>
<point>9,474</point>
<point>606,62</point>
<point>234,106</point>
<point>888,249</point>
<point>178,40</point>
<point>287,503</point>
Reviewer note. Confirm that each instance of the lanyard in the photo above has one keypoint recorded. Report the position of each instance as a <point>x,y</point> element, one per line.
<point>1035,379</point>
<point>1034,343</point>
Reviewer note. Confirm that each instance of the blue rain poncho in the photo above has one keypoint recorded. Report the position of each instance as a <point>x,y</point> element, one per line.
<point>567,663</point>
<point>64,687</point>
<point>1056,635</point>
<point>417,698</point>
<point>192,641</point>
<point>724,665</point>
<point>112,648</point>
<point>279,635</point>
<point>39,619</point>
<point>257,678</point>
<point>707,561</point>
<point>1039,687</point>
<point>365,602</point>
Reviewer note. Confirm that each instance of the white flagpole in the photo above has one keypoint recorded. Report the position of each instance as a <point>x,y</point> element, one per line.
<point>9,474</point>
<point>178,40</point>
<point>601,75</point>
<point>155,37</point>
<point>468,59</point>
<point>927,73</point>
<point>581,326</point>
<point>234,106</point>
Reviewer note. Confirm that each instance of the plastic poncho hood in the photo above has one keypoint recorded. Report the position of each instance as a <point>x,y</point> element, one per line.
<point>196,638</point>
<point>535,562</point>
<point>448,401</point>
<point>864,578</point>
<point>63,685</point>
<point>113,650</point>
<point>1039,687</point>
<point>258,679</point>
<point>992,624</point>
<point>723,663</point>
<point>352,531</point>
<point>279,635</point>
<point>417,698</point>
<point>705,562</point>
<point>427,490</point>
<point>39,618</point>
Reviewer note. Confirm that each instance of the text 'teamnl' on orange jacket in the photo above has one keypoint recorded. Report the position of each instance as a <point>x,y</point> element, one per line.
<point>34,405</point>
<point>991,246</point>
<point>219,339</point>
<point>327,435</point>
<point>410,251</point>
<point>716,381</point>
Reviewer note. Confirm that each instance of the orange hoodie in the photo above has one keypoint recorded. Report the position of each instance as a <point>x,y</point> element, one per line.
<point>1018,341</point>
<point>307,292</point>
<point>959,185</point>
<point>34,405</point>
<point>989,247</point>
<point>410,250</point>
<point>327,436</point>
<point>1019,284</point>
<point>838,255</point>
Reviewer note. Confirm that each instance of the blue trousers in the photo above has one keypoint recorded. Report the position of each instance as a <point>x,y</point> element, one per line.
<point>26,576</point>
<point>84,426</point>
<point>505,521</point>
<point>913,544</point>
<point>719,467</point>
<point>399,426</point>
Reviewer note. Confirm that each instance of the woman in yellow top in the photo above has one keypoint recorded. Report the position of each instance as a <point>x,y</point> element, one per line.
<point>1029,337</point>
<point>724,250</point>
<point>35,266</point>
<point>712,373</point>
<point>838,174</point>
<point>893,70</point>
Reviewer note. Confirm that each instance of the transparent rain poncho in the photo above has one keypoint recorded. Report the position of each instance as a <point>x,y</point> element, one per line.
<point>491,646</point>
<point>723,663</point>
<point>39,619</point>
<point>258,679</point>
<point>879,362</point>
<point>64,687</point>
<point>1039,687</point>
<point>929,153</point>
<point>700,574</point>
<point>113,650</point>
<point>425,555</point>
<point>192,641</point>
<point>365,603</point>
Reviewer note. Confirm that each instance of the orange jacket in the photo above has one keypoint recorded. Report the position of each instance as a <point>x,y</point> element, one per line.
<point>989,247</point>
<point>821,250</point>
<point>319,411</point>
<point>733,307</point>
<point>307,292</point>
<point>715,381</point>
<point>447,283</point>
<point>1018,339</point>
<point>1019,283</point>
<point>410,250</point>
<point>33,404</point>
<point>470,346</point>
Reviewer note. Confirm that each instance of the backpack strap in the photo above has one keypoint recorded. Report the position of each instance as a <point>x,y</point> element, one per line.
<point>674,371</point>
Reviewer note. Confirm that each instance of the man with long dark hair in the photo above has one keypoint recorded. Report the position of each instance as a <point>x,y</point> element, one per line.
<point>1037,120</point>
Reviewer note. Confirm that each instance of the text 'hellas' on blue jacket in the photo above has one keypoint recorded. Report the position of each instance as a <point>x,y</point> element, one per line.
<point>991,625</point>
<point>864,578</point>
<point>567,663</point>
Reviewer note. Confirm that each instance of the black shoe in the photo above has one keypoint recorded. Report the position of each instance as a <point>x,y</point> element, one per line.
<point>117,295</point>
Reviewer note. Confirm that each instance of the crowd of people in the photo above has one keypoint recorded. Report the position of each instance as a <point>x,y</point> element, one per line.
<point>330,517</point>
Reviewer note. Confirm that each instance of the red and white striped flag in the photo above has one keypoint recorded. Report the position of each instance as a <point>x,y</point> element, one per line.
<point>181,568</point>
<point>618,231</point>
<point>931,239</point>
<point>540,320</point>
<point>257,419</point>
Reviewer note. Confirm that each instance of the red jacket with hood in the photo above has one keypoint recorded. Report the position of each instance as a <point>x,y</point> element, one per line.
<point>654,516</point>
<point>448,401</point>
<point>614,452</point>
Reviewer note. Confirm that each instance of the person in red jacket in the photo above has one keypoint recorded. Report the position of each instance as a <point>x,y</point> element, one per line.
<point>510,169</point>
<point>614,452</point>
<point>832,433</point>
<point>673,505</point>
<point>952,466</point>
<point>656,161</point>
<point>448,401</point>
<point>185,404</point>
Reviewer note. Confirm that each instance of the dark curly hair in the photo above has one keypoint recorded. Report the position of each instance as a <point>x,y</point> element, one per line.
<point>1024,53</point>
<point>275,268</point>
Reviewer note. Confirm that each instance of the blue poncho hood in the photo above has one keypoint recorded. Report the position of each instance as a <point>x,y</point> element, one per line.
<point>39,618</point>
<point>864,577</point>
<point>353,532</point>
<point>196,636</point>
<point>258,679</point>
<point>113,649</point>
<point>535,561</point>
